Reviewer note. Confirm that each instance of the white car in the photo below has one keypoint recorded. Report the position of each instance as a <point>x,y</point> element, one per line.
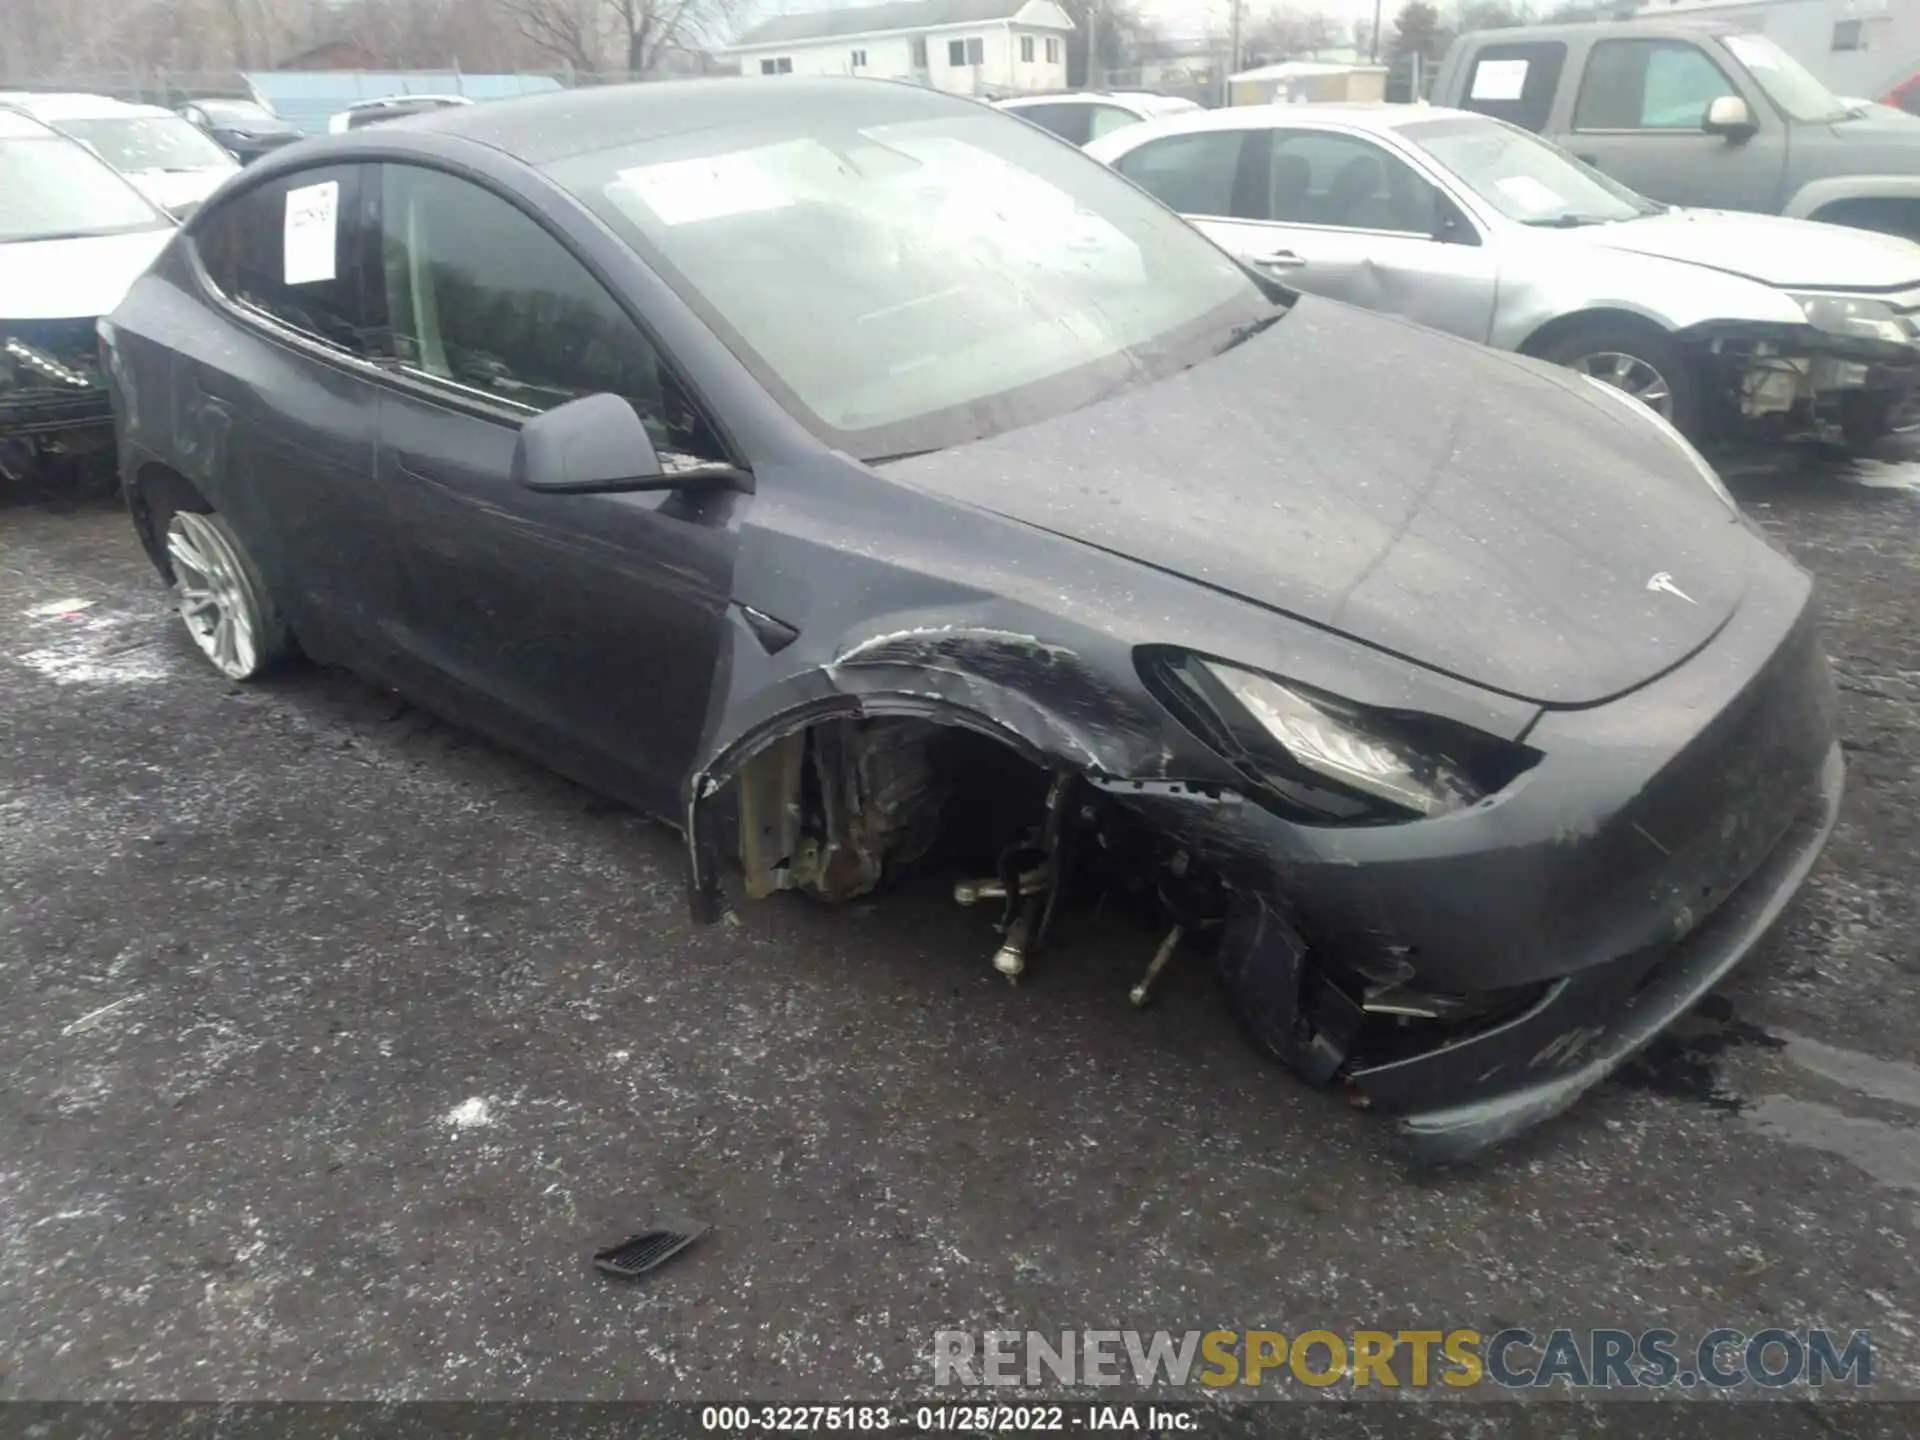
<point>173,164</point>
<point>1727,324</point>
<point>388,107</point>
<point>73,236</point>
<point>1088,115</point>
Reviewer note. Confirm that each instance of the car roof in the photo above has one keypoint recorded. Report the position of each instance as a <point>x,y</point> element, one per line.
<point>555,125</point>
<point>76,106</point>
<point>386,100</point>
<point>1378,118</point>
<point>1143,99</point>
<point>1655,26</point>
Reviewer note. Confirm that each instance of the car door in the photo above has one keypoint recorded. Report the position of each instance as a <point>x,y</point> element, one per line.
<point>1331,213</point>
<point>1638,116</point>
<point>276,399</point>
<point>585,627</point>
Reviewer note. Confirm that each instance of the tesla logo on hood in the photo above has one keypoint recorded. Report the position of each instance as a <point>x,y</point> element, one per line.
<point>1664,582</point>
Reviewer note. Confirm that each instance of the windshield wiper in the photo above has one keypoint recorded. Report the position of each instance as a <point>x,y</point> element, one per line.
<point>1568,222</point>
<point>1242,333</point>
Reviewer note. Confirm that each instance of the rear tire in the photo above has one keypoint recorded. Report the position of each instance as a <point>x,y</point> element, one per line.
<point>225,605</point>
<point>1635,359</point>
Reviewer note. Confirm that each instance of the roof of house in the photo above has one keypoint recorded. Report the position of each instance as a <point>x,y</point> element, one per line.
<point>308,97</point>
<point>876,20</point>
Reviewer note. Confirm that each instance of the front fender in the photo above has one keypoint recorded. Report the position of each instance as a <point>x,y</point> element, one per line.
<point>1668,293</point>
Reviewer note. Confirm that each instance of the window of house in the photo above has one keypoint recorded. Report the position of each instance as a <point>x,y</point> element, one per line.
<point>1517,82</point>
<point>481,297</point>
<point>782,66</point>
<point>1053,50</point>
<point>1026,49</point>
<point>966,52</point>
<point>1193,174</point>
<point>1316,177</point>
<point>859,59</point>
<point>243,246</point>
<point>1648,85</point>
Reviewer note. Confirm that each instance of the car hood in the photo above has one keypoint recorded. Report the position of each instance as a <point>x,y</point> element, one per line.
<point>73,279</point>
<point>1787,254</point>
<point>177,190</point>
<point>1479,513</point>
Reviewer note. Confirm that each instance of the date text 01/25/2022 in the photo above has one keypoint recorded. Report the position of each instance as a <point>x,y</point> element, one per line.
<point>946,1419</point>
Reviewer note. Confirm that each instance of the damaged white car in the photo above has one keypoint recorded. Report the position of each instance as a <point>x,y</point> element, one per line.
<point>1727,324</point>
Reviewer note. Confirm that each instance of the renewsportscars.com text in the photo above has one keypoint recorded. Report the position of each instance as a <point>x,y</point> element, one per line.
<point>1772,1358</point>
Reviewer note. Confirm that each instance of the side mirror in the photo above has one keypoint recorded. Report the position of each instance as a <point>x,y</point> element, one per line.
<point>1730,116</point>
<point>597,445</point>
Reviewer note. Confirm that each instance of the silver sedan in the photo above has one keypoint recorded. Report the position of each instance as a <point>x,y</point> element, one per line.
<point>1721,322</point>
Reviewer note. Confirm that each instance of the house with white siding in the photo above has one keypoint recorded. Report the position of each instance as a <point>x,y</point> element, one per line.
<point>966,47</point>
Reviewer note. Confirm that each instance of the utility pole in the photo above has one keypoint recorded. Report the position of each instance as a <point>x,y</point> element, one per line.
<point>1373,44</point>
<point>1233,51</point>
<point>1096,68</point>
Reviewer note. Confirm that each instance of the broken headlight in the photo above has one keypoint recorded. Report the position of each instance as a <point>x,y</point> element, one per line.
<point>1856,315</point>
<point>1327,760</point>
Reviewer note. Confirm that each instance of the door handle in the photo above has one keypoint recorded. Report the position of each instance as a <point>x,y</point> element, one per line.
<point>1279,260</point>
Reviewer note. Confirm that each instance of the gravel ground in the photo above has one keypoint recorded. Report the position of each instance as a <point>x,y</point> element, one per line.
<point>336,1039</point>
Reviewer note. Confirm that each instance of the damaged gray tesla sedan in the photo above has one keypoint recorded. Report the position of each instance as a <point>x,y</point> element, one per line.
<point>862,479</point>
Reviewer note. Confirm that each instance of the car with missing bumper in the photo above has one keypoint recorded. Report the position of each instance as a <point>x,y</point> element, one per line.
<point>1730,325</point>
<point>1473,734</point>
<point>168,160</point>
<point>73,235</point>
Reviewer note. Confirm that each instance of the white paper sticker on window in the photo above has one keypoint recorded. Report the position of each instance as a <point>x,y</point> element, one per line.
<point>313,218</point>
<point>685,192</point>
<point>1530,194</point>
<point>1499,80</point>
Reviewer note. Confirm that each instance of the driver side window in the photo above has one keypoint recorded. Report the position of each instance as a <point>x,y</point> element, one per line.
<point>484,300</point>
<point>1648,85</point>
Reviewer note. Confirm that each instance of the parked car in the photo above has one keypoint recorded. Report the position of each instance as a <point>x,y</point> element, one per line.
<point>1445,695</point>
<point>1726,324</point>
<point>392,107</point>
<point>1087,115</point>
<point>1695,113</point>
<point>169,161</point>
<point>73,235</point>
<point>244,129</point>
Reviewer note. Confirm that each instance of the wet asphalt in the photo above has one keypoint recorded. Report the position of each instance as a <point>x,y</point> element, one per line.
<point>335,1040</point>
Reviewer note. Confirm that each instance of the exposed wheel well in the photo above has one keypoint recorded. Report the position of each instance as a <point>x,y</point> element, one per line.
<point>1888,215</point>
<point>156,494</point>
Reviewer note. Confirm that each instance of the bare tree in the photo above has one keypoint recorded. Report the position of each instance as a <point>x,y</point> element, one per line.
<point>634,34</point>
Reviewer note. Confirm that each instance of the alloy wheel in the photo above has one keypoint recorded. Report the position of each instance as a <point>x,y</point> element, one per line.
<point>1631,374</point>
<point>215,597</point>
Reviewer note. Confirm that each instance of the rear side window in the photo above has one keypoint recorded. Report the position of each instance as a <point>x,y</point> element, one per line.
<point>1069,122</point>
<point>1196,174</point>
<point>1516,83</point>
<point>1318,177</point>
<point>1648,85</point>
<point>292,249</point>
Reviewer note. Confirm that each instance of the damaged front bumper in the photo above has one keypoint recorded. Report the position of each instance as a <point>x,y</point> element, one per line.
<point>1476,973</point>
<point>52,396</point>
<point>1801,382</point>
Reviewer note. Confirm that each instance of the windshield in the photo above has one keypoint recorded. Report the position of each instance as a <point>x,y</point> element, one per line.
<point>907,273</point>
<point>1787,82</point>
<point>1524,177</point>
<point>51,189</point>
<point>149,142</point>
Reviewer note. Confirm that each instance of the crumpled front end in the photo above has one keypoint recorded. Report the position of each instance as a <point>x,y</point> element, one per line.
<point>53,397</point>
<point>1850,375</point>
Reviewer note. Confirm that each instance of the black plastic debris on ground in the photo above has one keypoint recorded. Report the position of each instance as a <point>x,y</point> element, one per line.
<point>648,1250</point>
